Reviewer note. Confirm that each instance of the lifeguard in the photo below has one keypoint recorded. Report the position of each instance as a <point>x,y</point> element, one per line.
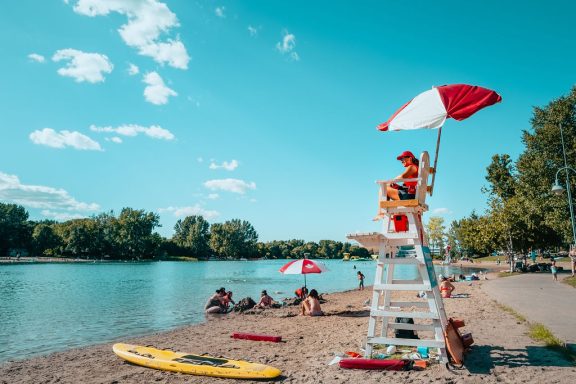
<point>407,191</point>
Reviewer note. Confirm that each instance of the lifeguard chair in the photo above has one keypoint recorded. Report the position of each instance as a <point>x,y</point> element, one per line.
<point>401,245</point>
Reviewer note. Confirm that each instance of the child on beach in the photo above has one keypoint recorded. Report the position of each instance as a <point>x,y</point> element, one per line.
<point>360,281</point>
<point>554,270</point>
<point>311,305</point>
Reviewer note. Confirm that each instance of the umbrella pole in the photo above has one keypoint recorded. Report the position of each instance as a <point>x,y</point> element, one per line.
<point>304,280</point>
<point>435,161</point>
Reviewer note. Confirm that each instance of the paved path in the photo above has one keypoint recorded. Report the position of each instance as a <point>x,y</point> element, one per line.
<point>540,300</point>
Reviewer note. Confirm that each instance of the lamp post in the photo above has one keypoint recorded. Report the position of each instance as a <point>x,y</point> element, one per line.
<point>558,189</point>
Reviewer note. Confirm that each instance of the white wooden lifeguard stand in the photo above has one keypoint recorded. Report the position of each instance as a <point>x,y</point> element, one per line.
<point>404,248</point>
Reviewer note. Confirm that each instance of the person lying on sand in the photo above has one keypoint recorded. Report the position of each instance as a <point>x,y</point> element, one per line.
<point>311,305</point>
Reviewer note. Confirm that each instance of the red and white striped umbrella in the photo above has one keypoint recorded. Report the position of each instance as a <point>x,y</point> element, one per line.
<point>303,267</point>
<point>430,109</point>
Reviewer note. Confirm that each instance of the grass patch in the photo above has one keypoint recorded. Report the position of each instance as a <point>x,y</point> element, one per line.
<point>570,281</point>
<point>509,310</point>
<point>508,274</point>
<point>540,333</point>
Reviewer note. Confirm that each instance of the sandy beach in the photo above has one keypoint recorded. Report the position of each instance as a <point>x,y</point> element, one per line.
<point>502,353</point>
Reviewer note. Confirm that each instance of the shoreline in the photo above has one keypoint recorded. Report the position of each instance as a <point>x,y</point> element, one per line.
<point>502,350</point>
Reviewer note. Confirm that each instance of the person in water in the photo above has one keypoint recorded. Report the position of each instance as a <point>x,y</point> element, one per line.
<point>311,305</point>
<point>215,303</point>
<point>407,190</point>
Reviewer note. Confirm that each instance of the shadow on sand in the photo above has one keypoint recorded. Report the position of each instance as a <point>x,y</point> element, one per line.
<point>481,359</point>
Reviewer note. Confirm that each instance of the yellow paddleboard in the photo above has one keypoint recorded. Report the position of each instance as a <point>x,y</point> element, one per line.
<point>193,364</point>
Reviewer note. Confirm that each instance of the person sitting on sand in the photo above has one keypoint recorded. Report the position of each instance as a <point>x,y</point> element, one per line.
<point>446,288</point>
<point>301,293</point>
<point>265,300</point>
<point>311,305</point>
<point>215,303</point>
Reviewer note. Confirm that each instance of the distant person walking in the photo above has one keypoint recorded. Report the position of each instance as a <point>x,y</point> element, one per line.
<point>360,281</point>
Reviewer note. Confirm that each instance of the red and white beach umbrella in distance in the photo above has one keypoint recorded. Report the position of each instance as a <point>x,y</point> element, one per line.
<point>303,267</point>
<point>431,108</point>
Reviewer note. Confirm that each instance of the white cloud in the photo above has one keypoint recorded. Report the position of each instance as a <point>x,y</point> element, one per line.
<point>230,185</point>
<point>190,211</point>
<point>229,166</point>
<point>36,57</point>
<point>147,20</point>
<point>154,131</point>
<point>83,66</point>
<point>156,92</point>
<point>253,31</point>
<point>441,211</point>
<point>63,139</point>
<point>213,196</point>
<point>114,139</point>
<point>287,46</point>
<point>133,69</point>
<point>38,196</point>
<point>61,216</point>
<point>219,11</point>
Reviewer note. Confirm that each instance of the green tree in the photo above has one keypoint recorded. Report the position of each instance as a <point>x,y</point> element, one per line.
<point>193,235</point>
<point>45,240</point>
<point>15,232</point>
<point>234,239</point>
<point>135,233</point>
<point>435,230</point>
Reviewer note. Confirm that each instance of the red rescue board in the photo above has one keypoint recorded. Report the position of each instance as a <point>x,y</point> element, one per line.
<point>256,337</point>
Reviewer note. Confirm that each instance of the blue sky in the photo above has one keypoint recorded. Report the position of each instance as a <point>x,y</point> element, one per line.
<point>261,110</point>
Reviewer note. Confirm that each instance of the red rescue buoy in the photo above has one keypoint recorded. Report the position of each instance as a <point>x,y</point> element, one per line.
<point>253,336</point>
<point>389,365</point>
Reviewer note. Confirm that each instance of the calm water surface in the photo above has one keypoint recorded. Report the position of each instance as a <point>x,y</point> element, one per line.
<point>53,307</point>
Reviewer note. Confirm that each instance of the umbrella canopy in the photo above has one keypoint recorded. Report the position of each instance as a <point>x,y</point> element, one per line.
<point>303,267</point>
<point>430,109</point>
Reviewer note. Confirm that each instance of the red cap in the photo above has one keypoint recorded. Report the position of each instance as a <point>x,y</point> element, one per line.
<point>405,154</point>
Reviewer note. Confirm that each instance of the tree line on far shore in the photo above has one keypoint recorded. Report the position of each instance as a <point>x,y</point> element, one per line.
<point>130,235</point>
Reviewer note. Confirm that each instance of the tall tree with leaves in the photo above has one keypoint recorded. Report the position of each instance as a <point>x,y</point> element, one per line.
<point>436,233</point>
<point>234,239</point>
<point>193,235</point>
<point>539,163</point>
<point>14,229</point>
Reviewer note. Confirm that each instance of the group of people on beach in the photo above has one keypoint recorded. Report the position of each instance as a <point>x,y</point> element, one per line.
<point>220,301</point>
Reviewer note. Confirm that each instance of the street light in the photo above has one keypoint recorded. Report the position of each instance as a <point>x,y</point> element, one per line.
<point>558,189</point>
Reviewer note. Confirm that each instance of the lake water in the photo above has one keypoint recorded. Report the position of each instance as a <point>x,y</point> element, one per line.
<point>53,307</point>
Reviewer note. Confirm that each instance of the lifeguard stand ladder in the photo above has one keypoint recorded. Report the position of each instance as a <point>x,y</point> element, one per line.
<point>404,248</point>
